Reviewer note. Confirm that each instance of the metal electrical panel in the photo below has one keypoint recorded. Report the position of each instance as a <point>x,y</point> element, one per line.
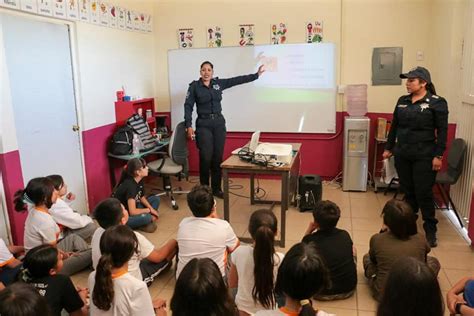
<point>356,153</point>
<point>387,66</point>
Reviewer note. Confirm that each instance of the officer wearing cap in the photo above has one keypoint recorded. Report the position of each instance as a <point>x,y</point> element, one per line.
<point>417,139</point>
<point>210,131</point>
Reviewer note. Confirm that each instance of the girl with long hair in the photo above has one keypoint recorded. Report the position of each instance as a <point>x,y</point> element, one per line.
<point>254,267</point>
<point>130,191</point>
<point>114,290</point>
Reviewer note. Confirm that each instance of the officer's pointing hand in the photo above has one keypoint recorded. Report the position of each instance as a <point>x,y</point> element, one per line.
<point>261,70</point>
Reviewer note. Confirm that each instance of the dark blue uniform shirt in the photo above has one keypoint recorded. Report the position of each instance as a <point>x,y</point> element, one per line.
<point>421,128</point>
<point>208,99</point>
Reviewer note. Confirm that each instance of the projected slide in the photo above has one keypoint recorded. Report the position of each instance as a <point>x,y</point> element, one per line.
<point>297,92</point>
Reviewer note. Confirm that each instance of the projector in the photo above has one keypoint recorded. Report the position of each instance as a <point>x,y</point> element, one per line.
<point>280,153</point>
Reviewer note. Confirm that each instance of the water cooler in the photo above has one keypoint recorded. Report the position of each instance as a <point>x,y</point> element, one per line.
<point>356,153</point>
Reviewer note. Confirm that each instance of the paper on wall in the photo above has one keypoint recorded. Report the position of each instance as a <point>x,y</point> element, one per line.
<point>149,23</point>
<point>185,38</point>
<point>136,20</point>
<point>214,36</point>
<point>314,32</point>
<point>45,7</point>
<point>14,4</point>
<point>121,18</point>
<point>113,16</point>
<point>278,33</point>
<point>29,6</point>
<point>72,9</point>
<point>59,9</point>
<point>94,12</point>
<point>247,34</point>
<point>84,10</point>
<point>104,13</point>
<point>128,20</point>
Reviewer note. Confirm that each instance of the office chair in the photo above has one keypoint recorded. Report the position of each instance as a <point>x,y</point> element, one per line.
<point>173,163</point>
<point>451,175</point>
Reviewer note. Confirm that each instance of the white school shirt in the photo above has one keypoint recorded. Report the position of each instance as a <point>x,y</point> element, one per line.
<point>131,297</point>
<point>204,237</point>
<point>40,228</point>
<point>242,258</point>
<point>5,255</point>
<point>145,247</point>
<point>279,312</point>
<point>64,215</point>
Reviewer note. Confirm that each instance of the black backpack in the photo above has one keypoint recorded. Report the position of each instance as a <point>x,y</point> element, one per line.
<point>121,142</point>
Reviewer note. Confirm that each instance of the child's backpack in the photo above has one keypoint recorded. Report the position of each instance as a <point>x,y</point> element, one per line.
<point>121,142</point>
<point>139,126</point>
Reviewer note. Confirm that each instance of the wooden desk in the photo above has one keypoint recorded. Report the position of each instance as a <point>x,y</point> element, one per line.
<point>289,179</point>
<point>163,143</point>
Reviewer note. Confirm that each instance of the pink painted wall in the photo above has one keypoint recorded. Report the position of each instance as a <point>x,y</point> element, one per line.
<point>96,164</point>
<point>10,169</point>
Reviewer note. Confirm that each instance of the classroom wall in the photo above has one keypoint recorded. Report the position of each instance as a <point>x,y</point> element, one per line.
<point>356,26</point>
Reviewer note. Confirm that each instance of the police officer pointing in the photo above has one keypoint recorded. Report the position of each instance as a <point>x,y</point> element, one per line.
<point>417,139</point>
<point>210,124</point>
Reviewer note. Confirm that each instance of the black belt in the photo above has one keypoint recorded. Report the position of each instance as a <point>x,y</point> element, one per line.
<point>210,116</point>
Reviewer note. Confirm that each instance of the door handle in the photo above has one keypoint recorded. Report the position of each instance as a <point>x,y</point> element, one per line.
<point>75,128</point>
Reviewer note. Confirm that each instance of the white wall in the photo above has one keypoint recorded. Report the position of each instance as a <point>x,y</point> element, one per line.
<point>104,59</point>
<point>8,140</point>
<point>107,59</point>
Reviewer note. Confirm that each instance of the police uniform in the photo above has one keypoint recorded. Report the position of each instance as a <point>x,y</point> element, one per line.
<point>210,124</point>
<point>417,135</point>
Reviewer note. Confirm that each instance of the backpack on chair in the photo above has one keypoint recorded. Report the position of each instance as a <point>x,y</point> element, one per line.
<point>140,127</point>
<point>121,142</point>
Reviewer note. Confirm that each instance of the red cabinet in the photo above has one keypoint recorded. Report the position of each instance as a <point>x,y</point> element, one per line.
<point>125,109</point>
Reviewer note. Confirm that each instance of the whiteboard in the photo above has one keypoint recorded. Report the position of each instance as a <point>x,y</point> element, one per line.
<point>297,93</point>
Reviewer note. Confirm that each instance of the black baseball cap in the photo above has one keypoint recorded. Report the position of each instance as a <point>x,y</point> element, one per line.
<point>417,72</point>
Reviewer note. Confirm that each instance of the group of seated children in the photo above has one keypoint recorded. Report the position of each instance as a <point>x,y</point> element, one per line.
<point>215,275</point>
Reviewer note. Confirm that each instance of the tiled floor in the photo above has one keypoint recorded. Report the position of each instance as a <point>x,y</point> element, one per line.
<point>360,217</point>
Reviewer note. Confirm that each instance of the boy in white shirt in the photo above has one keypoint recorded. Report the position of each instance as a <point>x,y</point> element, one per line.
<point>71,221</point>
<point>148,262</point>
<point>204,235</point>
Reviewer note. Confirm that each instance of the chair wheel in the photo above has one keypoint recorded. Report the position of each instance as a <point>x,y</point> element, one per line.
<point>175,207</point>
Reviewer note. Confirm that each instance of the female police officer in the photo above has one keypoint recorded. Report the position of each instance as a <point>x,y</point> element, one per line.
<point>420,126</point>
<point>210,124</point>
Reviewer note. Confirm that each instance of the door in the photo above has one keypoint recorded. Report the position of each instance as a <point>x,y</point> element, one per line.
<point>38,58</point>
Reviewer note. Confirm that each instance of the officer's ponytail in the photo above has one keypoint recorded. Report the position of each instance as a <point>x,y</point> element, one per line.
<point>431,88</point>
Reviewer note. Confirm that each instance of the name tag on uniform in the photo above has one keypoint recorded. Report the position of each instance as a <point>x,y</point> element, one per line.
<point>401,106</point>
<point>216,87</point>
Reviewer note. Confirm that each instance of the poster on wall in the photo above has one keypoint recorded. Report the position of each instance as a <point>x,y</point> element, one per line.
<point>120,18</point>
<point>45,7</point>
<point>94,12</point>
<point>29,6</point>
<point>278,33</point>
<point>104,13</point>
<point>59,9</point>
<point>14,4</point>
<point>84,9</point>
<point>136,21</point>
<point>246,33</point>
<point>214,36</point>
<point>128,20</point>
<point>72,9</point>
<point>185,38</point>
<point>113,16</point>
<point>142,22</point>
<point>314,32</point>
<point>149,23</point>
